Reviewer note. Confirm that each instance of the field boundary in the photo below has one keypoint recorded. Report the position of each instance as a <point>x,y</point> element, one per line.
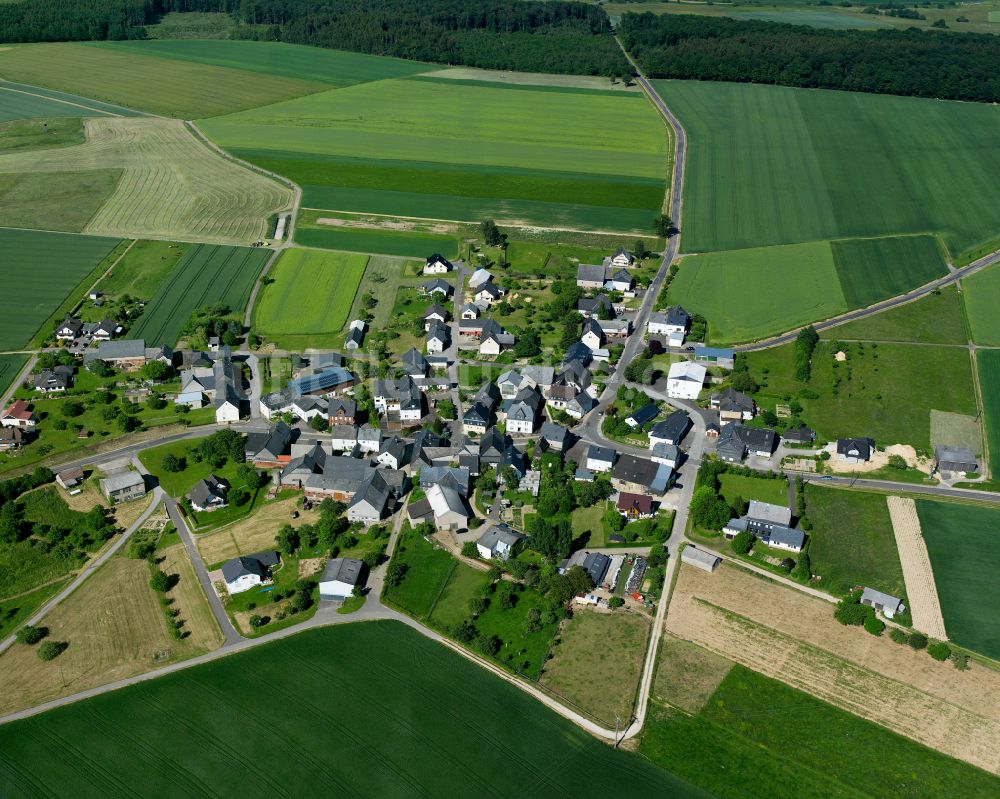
<point>918,574</point>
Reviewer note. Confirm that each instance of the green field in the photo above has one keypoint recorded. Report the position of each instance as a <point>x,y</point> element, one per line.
<point>55,200</point>
<point>934,319</point>
<point>423,731</point>
<point>183,89</point>
<point>206,275</point>
<point>382,242</point>
<point>852,542</point>
<point>876,269</point>
<point>21,101</point>
<point>989,381</point>
<point>965,554</point>
<point>447,149</point>
<point>10,366</point>
<point>42,270</point>
<point>763,490</point>
<point>309,293</point>
<point>821,167</point>
<point>142,270</point>
<point>980,292</point>
<point>751,294</point>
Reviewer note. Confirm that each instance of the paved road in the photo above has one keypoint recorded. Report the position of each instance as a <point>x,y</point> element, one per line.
<point>17,381</point>
<point>914,488</point>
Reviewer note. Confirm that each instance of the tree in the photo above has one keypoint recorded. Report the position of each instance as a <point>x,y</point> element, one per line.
<point>250,476</point>
<point>257,621</point>
<point>897,462</point>
<point>465,631</point>
<point>533,621</point>
<point>708,509</point>
<point>615,602</point>
<point>71,409</point>
<point>803,568</point>
<point>663,225</point>
<point>446,409</point>
<point>156,371</point>
<point>613,520</point>
<point>159,582</point>
<point>30,635</point>
<point>287,540</point>
<point>50,650</point>
<point>874,625</point>
<point>487,644</point>
<point>506,596</point>
<point>319,423</point>
<point>239,497</point>
<point>11,526</point>
<point>742,542</point>
<point>492,235</point>
<point>640,250</point>
<point>742,381</point>
<point>470,550</point>
<point>851,612</point>
<point>510,478</point>
<point>528,344</point>
<point>805,345</point>
<point>917,641</point>
<point>939,650</point>
<point>740,506</point>
<point>395,573</point>
<point>478,605</point>
<point>171,463</point>
<point>897,635</point>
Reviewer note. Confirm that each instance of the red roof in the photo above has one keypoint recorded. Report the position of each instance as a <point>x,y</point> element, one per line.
<point>640,502</point>
<point>19,409</point>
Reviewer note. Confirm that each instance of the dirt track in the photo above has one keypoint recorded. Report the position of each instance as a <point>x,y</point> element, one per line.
<point>917,572</point>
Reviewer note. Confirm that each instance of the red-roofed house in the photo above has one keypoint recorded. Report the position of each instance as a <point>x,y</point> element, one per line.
<point>19,414</point>
<point>635,506</point>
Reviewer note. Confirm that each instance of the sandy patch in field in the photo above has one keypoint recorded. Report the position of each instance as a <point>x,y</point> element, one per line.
<point>794,638</point>
<point>879,459</point>
<point>918,574</point>
<point>310,566</point>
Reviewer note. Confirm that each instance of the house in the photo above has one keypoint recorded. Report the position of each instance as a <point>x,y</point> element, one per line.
<point>394,453</point>
<point>615,328</point>
<point>69,329</point>
<point>639,475</point>
<point>488,294</point>
<point>339,578</point>
<point>449,508</point>
<point>489,395</point>
<point>434,313</point>
<point>598,306</point>
<point>268,450</point>
<point>638,419</point>
<point>578,352</point>
<point>799,435</point>
<point>531,483</point>
<point>341,411</point>
<point>621,258</point>
<point>786,538</point>
<point>208,494</point>
<point>19,414</point>
<point>580,405</point>
<point>494,339</point>
<point>590,276</point>
<point>123,487</point>
<point>370,502</point>
<point>733,406</point>
<point>324,382</point>
<point>479,278</point>
<point>470,311</point>
<point>225,396</point>
<point>685,379</point>
<point>437,265</point>
<point>355,336</point>
<point>600,459</point>
<point>12,438</point>
<point>726,359</point>
<point>885,604</point>
<point>596,565</point>
<point>955,459</point>
<point>70,478</point>
<point>499,542</point>
<point>667,454</point>
<point>128,354</point>
<point>671,430</point>
<point>402,396</point>
<point>249,571</point>
<point>855,450</point>
<point>770,523</point>
<point>450,476</point>
<point>309,407</point>
<point>414,363</point>
<point>554,437</point>
<point>509,383</point>
<point>436,286</point>
<point>592,335</point>
<point>419,512</point>
<point>522,414</point>
<point>53,381</point>
<point>369,439</point>
<point>736,440</point>
<point>471,327</point>
<point>674,320</point>
<point>104,330</point>
<point>620,280</point>
<point>477,419</point>
<point>700,559</point>
<point>438,338</point>
<point>635,506</point>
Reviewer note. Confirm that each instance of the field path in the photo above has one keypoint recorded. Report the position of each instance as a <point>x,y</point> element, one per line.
<point>918,574</point>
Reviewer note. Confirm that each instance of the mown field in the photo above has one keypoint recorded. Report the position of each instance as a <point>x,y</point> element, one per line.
<point>440,148</point>
<point>309,293</point>
<point>965,554</point>
<point>989,381</point>
<point>140,177</point>
<point>423,730</point>
<point>183,89</point>
<point>980,292</point>
<point>22,101</point>
<point>822,168</point>
<point>41,270</point>
<point>206,275</point>
<point>142,270</point>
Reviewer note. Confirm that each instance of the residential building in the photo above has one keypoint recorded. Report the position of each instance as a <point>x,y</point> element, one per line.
<point>339,578</point>
<point>615,328</point>
<point>479,278</point>
<point>437,265</point>
<point>635,506</point>
<point>674,320</point>
<point>523,412</point>
<point>597,307</point>
<point>619,280</point>
<point>12,438</point>
<point>641,417</point>
<point>436,286</point>
<point>592,335</point>
<point>733,406</point>
<point>269,450</point>
<point>19,414</point>
<point>621,258</point>
<point>249,571</point>
<point>208,494</point>
<point>449,508</point>
<point>488,294</point>
<point>128,354</point>
<point>600,459</point>
<point>667,454</point>
<point>69,330</point>
<point>596,565</point>
<point>886,604</point>
<point>639,475</point>
<point>123,487</point>
<point>470,311</point>
<point>494,339</point>
<point>415,364</point>
<point>855,450</point>
<point>554,437</point>
<point>736,440</point>
<point>104,330</point>
<point>499,542</point>
<point>477,419</point>
<point>52,381</point>
<point>489,395</point>
<point>799,435</point>
<point>438,338</point>
<point>355,336</point>
<point>434,313</point>
<point>456,477</point>
<point>402,396</point>
<point>685,380</point>
<point>671,430</point>
<point>341,411</point>
<point>700,559</point>
<point>370,503</point>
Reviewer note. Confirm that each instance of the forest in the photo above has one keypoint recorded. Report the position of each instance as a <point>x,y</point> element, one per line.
<point>948,66</point>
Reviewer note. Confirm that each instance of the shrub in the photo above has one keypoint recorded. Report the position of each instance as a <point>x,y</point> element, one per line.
<point>850,611</point>
<point>897,635</point>
<point>742,542</point>
<point>960,660</point>
<point>30,635</point>
<point>615,602</point>
<point>917,641</point>
<point>50,650</point>
<point>939,651</point>
<point>874,625</point>
<point>159,582</point>
<point>470,550</point>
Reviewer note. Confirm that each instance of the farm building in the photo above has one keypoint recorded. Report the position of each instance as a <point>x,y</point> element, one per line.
<point>886,604</point>
<point>325,382</point>
<point>248,571</point>
<point>371,501</point>
<point>339,578</point>
<point>70,478</point>
<point>955,459</point>
<point>450,510</point>
<point>700,559</point>
<point>123,487</point>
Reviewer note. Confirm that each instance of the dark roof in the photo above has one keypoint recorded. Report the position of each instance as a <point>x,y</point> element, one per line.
<point>596,565</point>
<point>344,570</point>
<point>347,407</point>
<point>672,428</point>
<point>436,310</point>
<point>204,490</point>
<point>436,257</point>
<point>678,316</point>
<point>414,362</point>
<point>730,400</point>
<point>479,414</point>
<point>271,444</point>
<point>631,469</point>
<point>257,564</point>
<point>554,432</point>
<point>324,380</point>
<point>578,351</point>
<point>758,438</point>
<point>601,453</point>
<point>640,502</point>
<point>645,414</point>
<point>863,446</point>
<point>801,435</point>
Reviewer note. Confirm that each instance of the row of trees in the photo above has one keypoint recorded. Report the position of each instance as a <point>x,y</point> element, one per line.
<point>907,62</point>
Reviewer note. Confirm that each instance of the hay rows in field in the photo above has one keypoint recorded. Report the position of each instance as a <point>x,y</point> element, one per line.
<point>172,185</point>
<point>918,574</point>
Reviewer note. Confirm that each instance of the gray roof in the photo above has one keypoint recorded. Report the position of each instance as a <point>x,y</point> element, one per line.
<point>732,400</point>
<point>863,446</point>
<point>879,598</point>
<point>669,452</point>
<point>596,565</point>
<point>780,534</point>
<point>344,570</point>
<point>694,555</point>
<point>204,490</point>
<point>601,453</point>
<point>678,316</point>
<point>257,563</point>
<point>451,476</point>
<point>374,491</point>
<point>672,428</point>
<point>117,482</point>
<point>121,349</point>
<point>958,456</point>
<point>591,273</point>
<point>645,414</point>
<point>500,532</point>
<point>768,512</point>
<point>554,432</point>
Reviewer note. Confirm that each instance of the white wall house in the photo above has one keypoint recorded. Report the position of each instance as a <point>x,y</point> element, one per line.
<point>685,380</point>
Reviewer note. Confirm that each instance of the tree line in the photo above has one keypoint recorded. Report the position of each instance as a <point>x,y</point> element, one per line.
<point>948,66</point>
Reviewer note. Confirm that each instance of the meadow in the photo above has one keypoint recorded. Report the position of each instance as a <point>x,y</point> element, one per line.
<point>142,270</point>
<point>206,275</point>
<point>42,269</point>
<point>423,732</point>
<point>184,89</point>
<point>989,381</point>
<point>382,242</point>
<point>962,543</point>
<point>308,293</point>
<point>934,319</point>
<point>763,490</point>
<point>21,101</point>
<point>446,149</point>
<point>980,292</point>
<point>821,168</point>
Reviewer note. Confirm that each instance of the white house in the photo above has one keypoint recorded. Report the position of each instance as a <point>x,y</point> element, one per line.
<point>208,494</point>
<point>674,320</point>
<point>450,511</point>
<point>437,339</point>
<point>470,311</point>
<point>488,294</point>
<point>339,578</point>
<point>499,542</point>
<point>600,459</point>
<point>437,265</point>
<point>246,572</point>
<point>622,258</point>
<point>593,335</point>
<point>479,279</point>
<point>685,379</point>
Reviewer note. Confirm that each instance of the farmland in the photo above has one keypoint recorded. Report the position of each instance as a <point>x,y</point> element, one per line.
<point>989,379</point>
<point>962,543</point>
<point>41,270</point>
<point>171,185</point>
<point>206,275</point>
<point>933,319</point>
<point>821,169</point>
<point>10,366</point>
<point>32,102</point>
<point>308,296</point>
<point>423,729</point>
<point>434,148</point>
<point>980,292</point>
<point>876,269</point>
<point>184,89</point>
<point>142,270</point>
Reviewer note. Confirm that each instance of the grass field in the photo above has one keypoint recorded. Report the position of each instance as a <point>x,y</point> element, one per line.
<point>876,269</point>
<point>428,569</point>
<point>207,274</point>
<point>382,242</point>
<point>738,485</point>
<point>934,319</point>
<point>423,732</point>
<point>852,542</point>
<point>142,270</point>
<point>10,366</point>
<point>142,177</point>
<point>980,292</point>
<point>184,89</point>
<point>965,554</point>
<point>13,612</point>
<point>445,149</point>
<point>26,134</point>
<point>42,269</point>
<point>309,294</point>
<point>382,278</point>
<point>989,381</point>
<point>254,533</point>
<point>821,169</point>
<point>21,101</point>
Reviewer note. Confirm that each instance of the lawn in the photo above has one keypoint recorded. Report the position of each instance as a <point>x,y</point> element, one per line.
<point>590,520</point>
<point>42,269</point>
<point>177,484</point>
<point>852,542</point>
<point>428,569</point>
<point>761,489</point>
<point>963,546</point>
<point>13,612</point>
<point>423,732</point>
<point>934,319</point>
<point>32,102</point>
<point>382,279</point>
<point>308,292</point>
<point>143,269</point>
<point>980,292</point>
<point>876,269</point>
<point>207,274</point>
<point>453,603</point>
<point>754,293</point>
<point>821,167</point>
<point>444,149</point>
<point>989,380</point>
<point>872,393</point>
<point>184,89</point>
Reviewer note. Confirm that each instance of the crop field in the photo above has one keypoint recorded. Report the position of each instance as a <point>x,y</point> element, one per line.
<point>206,275</point>
<point>433,148</point>
<point>10,366</point>
<point>41,269</point>
<point>821,169</point>
<point>171,185</point>
<point>21,101</point>
<point>980,292</point>
<point>989,381</point>
<point>311,294</point>
<point>965,553</point>
<point>184,89</point>
<point>876,269</point>
<point>423,732</point>
<point>934,319</point>
<point>382,242</point>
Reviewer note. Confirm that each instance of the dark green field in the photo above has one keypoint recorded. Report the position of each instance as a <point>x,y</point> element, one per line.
<point>875,269</point>
<point>989,380</point>
<point>381,242</point>
<point>22,101</point>
<point>964,544</point>
<point>10,365</point>
<point>370,709</point>
<point>207,274</point>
